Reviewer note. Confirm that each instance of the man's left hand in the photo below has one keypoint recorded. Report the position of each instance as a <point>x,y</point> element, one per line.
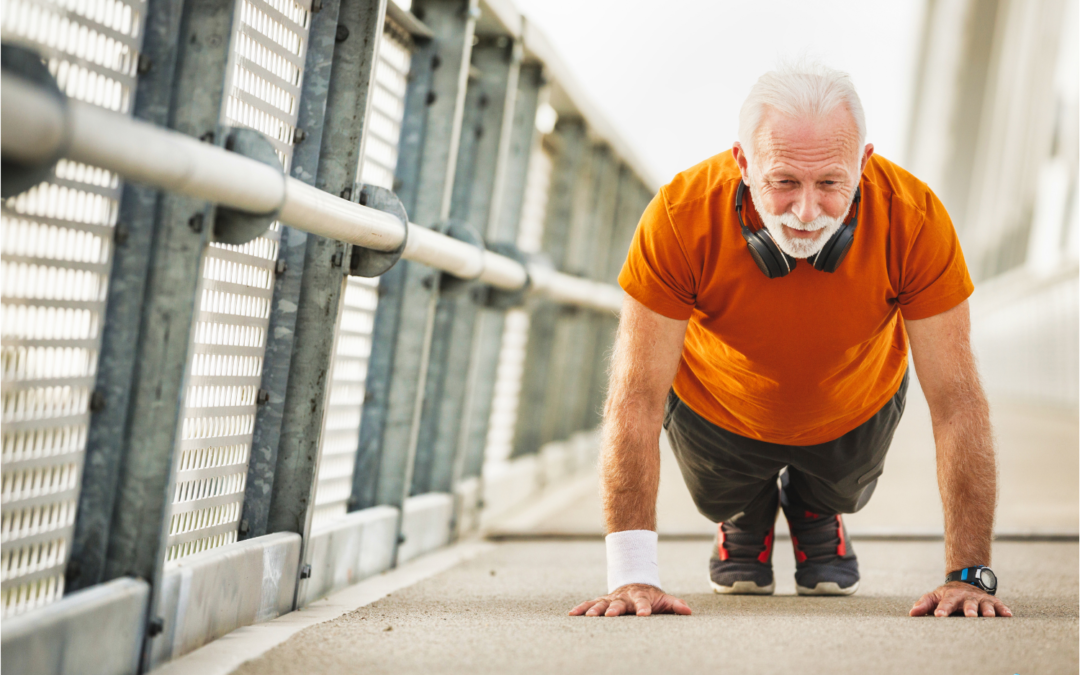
<point>956,596</point>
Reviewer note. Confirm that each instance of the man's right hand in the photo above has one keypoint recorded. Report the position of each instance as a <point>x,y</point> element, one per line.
<point>640,599</point>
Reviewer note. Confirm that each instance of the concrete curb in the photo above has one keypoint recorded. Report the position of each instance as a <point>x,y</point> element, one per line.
<point>97,631</point>
<point>225,655</point>
<point>348,550</point>
<point>208,595</point>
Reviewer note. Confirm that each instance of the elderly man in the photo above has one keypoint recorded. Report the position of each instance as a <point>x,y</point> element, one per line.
<point>772,293</point>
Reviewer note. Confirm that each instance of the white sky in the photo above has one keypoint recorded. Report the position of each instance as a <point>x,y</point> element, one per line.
<point>670,76</point>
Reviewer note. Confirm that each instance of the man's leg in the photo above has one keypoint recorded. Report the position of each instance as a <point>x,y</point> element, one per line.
<point>826,480</point>
<point>732,480</point>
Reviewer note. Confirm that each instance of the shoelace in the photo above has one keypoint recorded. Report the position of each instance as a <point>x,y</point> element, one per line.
<point>751,546</point>
<point>818,536</point>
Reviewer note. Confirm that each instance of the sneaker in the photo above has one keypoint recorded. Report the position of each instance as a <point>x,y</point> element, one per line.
<point>825,562</point>
<point>741,563</point>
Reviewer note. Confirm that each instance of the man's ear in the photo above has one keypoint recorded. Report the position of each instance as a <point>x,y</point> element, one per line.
<point>867,154</point>
<point>744,164</point>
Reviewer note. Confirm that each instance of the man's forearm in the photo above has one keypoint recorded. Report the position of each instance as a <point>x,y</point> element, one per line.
<point>630,463</point>
<point>967,478</point>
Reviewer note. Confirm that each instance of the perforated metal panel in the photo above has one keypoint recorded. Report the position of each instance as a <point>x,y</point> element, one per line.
<point>383,124</point>
<point>341,433</point>
<point>262,91</point>
<point>504,405</point>
<point>56,254</point>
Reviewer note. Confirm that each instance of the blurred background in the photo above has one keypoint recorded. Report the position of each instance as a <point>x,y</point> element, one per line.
<point>320,427</point>
<point>976,98</point>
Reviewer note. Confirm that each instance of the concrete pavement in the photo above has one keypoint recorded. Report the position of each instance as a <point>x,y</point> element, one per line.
<point>505,612</point>
<point>502,608</point>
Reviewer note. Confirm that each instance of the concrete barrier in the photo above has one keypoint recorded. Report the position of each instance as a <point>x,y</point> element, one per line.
<point>425,524</point>
<point>208,595</point>
<point>348,550</point>
<point>97,631</point>
<point>468,504</point>
<point>512,484</point>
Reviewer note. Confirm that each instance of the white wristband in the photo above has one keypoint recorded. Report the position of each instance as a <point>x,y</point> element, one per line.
<point>631,559</point>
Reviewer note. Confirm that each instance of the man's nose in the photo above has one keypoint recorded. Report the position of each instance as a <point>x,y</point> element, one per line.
<point>806,207</point>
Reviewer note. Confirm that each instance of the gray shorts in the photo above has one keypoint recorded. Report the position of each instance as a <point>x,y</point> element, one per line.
<point>734,478</point>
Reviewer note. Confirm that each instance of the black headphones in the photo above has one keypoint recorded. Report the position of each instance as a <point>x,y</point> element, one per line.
<point>775,263</point>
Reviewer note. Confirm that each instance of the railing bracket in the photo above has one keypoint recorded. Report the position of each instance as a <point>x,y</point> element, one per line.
<point>498,298</point>
<point>232,226</point>
<point>18,177</point>
<point>366,262</point>
<point>455,229</point>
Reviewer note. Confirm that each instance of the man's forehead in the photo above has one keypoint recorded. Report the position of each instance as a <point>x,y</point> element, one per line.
<point>835,136</point>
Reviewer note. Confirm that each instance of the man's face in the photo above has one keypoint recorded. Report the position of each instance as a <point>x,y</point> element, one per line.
<point>803,177</point>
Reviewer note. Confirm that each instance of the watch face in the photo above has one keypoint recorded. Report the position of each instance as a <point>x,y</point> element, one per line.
<point>988,578</point>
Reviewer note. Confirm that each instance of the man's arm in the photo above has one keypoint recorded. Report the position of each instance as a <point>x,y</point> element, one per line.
<point>647,351</point>
<point>966,468</point>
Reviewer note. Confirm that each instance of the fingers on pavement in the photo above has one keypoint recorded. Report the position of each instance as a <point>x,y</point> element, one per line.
<point>582,608</point>
<point>924,605</point>
<point>642,606</point>
<point>617,608</point>
<point>599,608</point>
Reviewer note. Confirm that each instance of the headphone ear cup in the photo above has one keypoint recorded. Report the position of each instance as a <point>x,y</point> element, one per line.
<point>835,250</point>
<point>770,259</point>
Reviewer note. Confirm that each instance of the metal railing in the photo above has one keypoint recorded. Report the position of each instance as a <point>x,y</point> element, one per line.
<point>38,127</point>
<point>285,414</point>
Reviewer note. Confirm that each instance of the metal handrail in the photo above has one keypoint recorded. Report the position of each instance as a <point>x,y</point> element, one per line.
<point>36,126</point>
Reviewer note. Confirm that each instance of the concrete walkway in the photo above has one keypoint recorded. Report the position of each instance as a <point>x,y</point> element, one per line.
<point>502,608</point>
<point>505,612</point>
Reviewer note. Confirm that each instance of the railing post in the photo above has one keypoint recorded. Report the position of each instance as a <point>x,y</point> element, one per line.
<point>106,446</point>
<point>318,310</point>
<point>404,320</point>
<point>628,210</point>
<point>139,523</point>
<point>503,228</point>
<point>482,163</point>
<point>562,415</point>
<point>591,259</point>
<point>543,365</point>
<point>282,338</point>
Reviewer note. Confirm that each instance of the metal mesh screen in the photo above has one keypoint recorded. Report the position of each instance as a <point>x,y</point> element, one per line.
<point>262,92</point>
<point>56,254</point>
<point>341,432</point>
<point>504,405</point>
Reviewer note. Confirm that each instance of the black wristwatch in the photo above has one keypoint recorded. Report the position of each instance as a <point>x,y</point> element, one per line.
<point>979,576</point>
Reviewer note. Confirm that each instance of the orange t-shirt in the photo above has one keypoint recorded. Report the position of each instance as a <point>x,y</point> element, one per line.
<point>805,358</point>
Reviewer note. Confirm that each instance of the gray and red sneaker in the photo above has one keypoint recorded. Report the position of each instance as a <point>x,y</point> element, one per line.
<point>741,563</point>
<point>825,562</point>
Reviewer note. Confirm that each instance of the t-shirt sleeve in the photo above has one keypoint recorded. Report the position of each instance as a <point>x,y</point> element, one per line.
<point>936,277</point>
<point>657,272</point>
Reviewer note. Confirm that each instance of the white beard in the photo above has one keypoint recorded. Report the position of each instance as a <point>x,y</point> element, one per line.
<point>797,248</point>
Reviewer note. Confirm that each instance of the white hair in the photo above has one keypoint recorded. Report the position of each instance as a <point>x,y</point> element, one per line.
<point>800,90</point>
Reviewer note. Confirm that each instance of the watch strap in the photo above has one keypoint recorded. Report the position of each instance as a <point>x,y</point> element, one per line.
<point>970,575</point>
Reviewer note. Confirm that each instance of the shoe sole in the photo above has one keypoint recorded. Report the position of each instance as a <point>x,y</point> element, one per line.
<point>743,588</point>
<point>827,588</point>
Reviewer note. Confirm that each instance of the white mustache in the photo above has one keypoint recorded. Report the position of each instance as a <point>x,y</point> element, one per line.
<point>819,223</point>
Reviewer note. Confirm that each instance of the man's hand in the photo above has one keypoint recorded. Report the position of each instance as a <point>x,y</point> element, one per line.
<point>957,596</point>
<point>640,599</point>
